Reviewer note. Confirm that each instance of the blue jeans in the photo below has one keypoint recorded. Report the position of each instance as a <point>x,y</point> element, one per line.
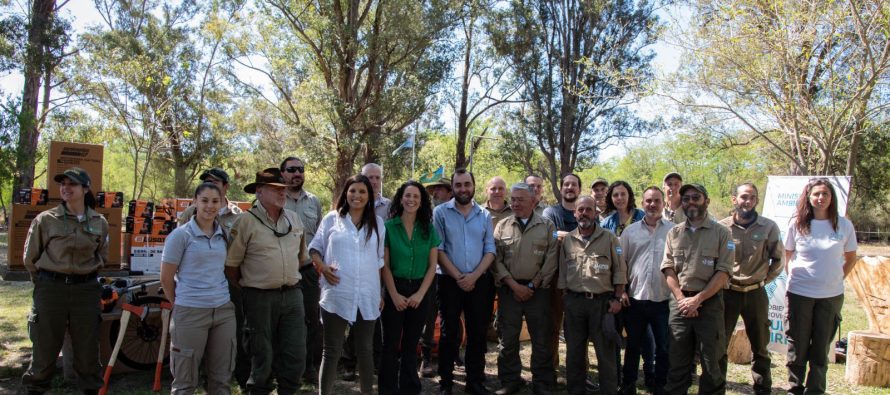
<point>638,318</point>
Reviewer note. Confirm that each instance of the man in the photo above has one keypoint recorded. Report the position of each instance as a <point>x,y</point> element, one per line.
<point>646,300</point>
<point>374,172</point>
<point>758,261</point>
<point>308,209</point>
<point>227,216</point>
<point>440,191</point>
<point>267,245</point>
<point>562,215</point>
<point>524,265</point>
<point>697,260</point>
<point>592,274</point>
<point>465,284</point>
<point>497,206</point>
<point>537,183</point>
<point>228,213</point>
<point>598,191</point>
<point>673,209</point>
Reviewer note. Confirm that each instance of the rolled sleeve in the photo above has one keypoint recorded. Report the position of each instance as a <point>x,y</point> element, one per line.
<point>668,261</point>
<point>439,224</point>
<point>619,267</point>
<point>488,242</point>
<point>726,256</point>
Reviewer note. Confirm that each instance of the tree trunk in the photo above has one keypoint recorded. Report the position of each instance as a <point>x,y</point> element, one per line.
<point>35,59</point>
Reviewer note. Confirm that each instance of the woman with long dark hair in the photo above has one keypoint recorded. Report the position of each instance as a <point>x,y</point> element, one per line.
<point>348,251</point>
<point>620,202</point>
<point>410,259</point>
<point>65,248</point>
<point>820,250</point>
<point>194,281</point>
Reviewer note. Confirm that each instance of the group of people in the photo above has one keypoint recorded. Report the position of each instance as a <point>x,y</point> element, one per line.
<point>276,295</point>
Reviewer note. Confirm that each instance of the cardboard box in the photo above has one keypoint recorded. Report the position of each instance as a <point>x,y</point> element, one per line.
<point>22,215</point>
<point>162,227</point>
<point>141,209</point>
<point>32,197</point>
<point>137,240</point>
<point>64,155</point>
<point>146,259</point>
<point>110,199</point>
<point>244,206</point>
<point>138,225</point>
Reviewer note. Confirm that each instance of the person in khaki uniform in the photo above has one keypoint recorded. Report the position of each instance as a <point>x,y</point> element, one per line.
<point>229,211</point>
<point>497,206</point>
<point>525,262</point>
<point>758,261</point>
<point>673,208</point>
<point>267,245</point>
<point>64,249</point>
<point>593,274</point>
<point>698,256</point>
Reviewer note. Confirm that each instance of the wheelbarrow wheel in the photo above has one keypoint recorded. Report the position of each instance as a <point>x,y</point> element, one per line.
<point>142,338</point>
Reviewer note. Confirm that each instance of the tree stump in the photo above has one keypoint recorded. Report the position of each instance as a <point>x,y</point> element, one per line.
<point>739,349</point>
<point>870,279</point>
<point>868,359</point>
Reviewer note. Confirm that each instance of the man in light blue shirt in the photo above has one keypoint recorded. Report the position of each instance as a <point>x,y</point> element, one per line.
<point>465,284</point>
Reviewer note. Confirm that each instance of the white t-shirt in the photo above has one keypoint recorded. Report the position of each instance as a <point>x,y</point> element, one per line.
<point>816,269</point>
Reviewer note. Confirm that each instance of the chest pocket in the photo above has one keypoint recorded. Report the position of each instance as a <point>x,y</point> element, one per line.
<point>508,245</point>
<point>72,241</point>
<point>707,262</point>
<point>599,264</point>
<point>539,248</point>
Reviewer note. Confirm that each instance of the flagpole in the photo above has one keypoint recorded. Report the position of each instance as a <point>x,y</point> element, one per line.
<point>413,148</point>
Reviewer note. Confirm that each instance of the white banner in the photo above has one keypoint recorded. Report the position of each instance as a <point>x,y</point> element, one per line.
<point>780,204</point>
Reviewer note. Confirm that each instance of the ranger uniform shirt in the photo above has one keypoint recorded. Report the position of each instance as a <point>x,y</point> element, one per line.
<point>758,252</point>
<point>677,216</point>
<point>529,254</point>
<point>594,266</point>
<point>60,242</point>
<point>499,215</point>
<point>227,215</point>
<point>308,208</point>
<point>697,255</point>
<point>266,260</point>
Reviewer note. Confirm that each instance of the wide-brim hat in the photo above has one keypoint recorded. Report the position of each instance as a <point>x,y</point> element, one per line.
<point>75,174</point>
<point>269,176</point>
<point>444,182</point>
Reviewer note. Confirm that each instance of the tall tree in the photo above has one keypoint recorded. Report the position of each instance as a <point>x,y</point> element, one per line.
<point>348,74</point>
<point>152,72</point>
<point>580,63</point>
<point>804,76</point>
<point>43,52</point>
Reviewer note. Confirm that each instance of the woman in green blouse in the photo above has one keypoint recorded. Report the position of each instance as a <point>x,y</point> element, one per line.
<point>410,258</point>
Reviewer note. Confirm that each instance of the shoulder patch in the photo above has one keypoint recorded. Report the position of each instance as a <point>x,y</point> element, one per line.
<point>555,235</point>
<point>730,245</point>
<point>233,232</point>
<point>619,250</point>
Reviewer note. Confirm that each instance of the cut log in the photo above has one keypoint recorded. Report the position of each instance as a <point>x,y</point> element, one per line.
<point>739,350</point>
<point>868,359</point>
<point>870,279</point>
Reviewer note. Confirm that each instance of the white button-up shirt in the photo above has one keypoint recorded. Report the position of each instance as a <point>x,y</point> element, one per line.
<point>358,261</point>
<point>643,250</point>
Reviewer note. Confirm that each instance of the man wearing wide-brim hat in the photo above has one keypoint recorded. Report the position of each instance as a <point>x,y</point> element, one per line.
<point>267,244</point>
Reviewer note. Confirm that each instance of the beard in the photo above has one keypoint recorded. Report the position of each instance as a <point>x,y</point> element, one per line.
<point>745,214</point>
<point>464,198</point>
<point>694,212</point>
<point>570,198</point>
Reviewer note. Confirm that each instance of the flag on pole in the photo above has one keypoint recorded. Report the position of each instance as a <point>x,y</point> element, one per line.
<point>408,144</point>
<point>433,176</point>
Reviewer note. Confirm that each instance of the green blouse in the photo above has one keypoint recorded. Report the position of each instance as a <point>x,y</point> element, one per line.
<point>409,259</point>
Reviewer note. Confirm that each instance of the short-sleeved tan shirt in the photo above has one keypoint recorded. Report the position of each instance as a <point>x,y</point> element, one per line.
<point>594,266</point>
<point>266,260</point>
<point>60,242</point>
<point>308,208</point>
<point>758,252</point>
<point>697,255</point>
<point>525,255</point>
<point>227,215</point>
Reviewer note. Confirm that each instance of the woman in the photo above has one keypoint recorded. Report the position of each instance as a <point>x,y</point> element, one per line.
<point>620,202</point>
<point>348,251</point>
<point>65,248</point>
<point>193,277</point>
<point>820,249</point>
<point>409,265</point>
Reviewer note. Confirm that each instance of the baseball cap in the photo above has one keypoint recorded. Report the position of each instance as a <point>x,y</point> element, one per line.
<point>75,174</point>
<point>599,180</point>
<point>216,173</point>
<point>697,187</point>
<point>672,174</point>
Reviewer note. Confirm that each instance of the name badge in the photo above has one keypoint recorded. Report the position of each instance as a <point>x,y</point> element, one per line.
<point>757,236</point>
<point>707,261</point>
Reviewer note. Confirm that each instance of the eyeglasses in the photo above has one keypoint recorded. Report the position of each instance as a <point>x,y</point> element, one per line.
<point>294,169</point>
<point>290,226</point>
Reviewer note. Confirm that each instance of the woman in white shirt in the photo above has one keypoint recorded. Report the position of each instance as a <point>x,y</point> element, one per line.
<point>820,248</point>
<point>348,251</point>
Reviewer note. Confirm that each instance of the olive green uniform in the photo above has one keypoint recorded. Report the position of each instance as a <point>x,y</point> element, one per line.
<point>677,216</point>
<point>63,254</point>
<point>527,254</point>
<point>274,330</point>
<point>498,215</point>
<point>589,270</point>
<point>758,261</point>
<point>696,256</point>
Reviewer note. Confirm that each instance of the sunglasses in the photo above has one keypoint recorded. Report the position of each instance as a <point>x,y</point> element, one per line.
<point>294,169</point>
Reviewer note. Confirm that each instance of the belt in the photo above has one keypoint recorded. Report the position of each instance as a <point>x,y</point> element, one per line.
<point>746,288</point>
<point>279,289</point>
<point>689,294</point>
<point>589,295</point>
<point>66,278</point>
<point>407,280</point>
<point>523,282</point>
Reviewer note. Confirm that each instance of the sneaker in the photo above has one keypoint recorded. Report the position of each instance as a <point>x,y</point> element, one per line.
<point>426,369</point>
